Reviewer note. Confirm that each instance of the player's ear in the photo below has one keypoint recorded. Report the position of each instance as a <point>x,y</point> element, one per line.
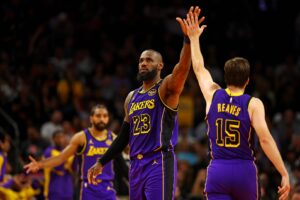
<point>161,65</point>
<point>247,82</point>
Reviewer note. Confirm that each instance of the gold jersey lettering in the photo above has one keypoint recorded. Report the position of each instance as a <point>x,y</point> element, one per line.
<point>232,108</point>
<point>96,151</point>
<point>223,107</point>
<point>150,104</point>
<point>238,111</point>
<point>219,107</point>
<point>229,108</point>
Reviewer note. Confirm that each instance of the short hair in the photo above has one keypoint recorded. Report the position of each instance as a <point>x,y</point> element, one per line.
<point>237,71</point>
<point>97,107</point>
<point>56,132</point>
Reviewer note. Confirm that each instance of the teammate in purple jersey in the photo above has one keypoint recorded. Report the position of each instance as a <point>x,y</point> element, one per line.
<point>150,126</point>
<point>232,173</point>
<point>90,145</point>
<point>4,148</point>
<point>58,180</point>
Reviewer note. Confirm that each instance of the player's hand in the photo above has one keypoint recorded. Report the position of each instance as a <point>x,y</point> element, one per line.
<point>193,10</point>
<point>33,166</point>
<point>284,189</point>
<point>192,25</point>
<point>95,170</point>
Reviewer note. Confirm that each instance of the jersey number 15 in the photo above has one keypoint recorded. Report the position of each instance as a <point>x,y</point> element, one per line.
<point>231,138</point>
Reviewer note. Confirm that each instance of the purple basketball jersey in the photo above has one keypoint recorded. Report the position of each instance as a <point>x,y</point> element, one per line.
<point>153,125</point>
<point>229,126</point>
<point>3,161</point>
<point>58,180</point>
<point>93,150</point>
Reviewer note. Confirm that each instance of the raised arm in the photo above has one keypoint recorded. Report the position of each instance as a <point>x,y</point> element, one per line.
<point>77,141</point>
<point>173,84</point>
<point>257,116</point>
<point>205,81</point>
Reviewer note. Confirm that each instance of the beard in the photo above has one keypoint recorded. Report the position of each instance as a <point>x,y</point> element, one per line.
<point>100,126</point>
<point>146,76</point>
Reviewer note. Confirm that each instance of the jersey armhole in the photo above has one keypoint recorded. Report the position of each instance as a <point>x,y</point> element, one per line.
<point>133,94</point>
<point>80,152</point>
<point>212,99</point>
<point>248,104</point>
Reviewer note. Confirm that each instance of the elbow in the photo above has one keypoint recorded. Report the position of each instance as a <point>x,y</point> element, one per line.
<point>266,141</point>
<point>263,141</point>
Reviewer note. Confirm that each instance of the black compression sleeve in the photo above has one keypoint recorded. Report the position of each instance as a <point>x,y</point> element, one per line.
<point>118,144</point>
<point>121,166</point>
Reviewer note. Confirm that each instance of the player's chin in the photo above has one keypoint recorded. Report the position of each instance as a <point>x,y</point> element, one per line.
<point>100,127</point>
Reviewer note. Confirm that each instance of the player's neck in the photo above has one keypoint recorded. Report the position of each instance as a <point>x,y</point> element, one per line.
<point>235,90</point>
<point>149,84</point>
<point>3,152</point>
<point>98,134</point>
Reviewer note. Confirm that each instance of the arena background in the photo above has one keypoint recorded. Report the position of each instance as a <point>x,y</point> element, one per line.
<point>69,55</point>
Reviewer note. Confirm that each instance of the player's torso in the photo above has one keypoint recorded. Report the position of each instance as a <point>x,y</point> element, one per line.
<point>152,124</point>
<point>94,150</point>
<point>3,161</point>
<point>229,126</point>
<point>58,180</point>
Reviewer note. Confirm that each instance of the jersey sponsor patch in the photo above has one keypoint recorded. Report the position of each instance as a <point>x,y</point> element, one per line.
<point>108,142</point>
<point>152,92</point>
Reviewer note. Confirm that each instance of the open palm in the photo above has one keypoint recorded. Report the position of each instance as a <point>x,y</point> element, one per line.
<point>192,25</point>
<point>196,11</point>
<point>33,166</point>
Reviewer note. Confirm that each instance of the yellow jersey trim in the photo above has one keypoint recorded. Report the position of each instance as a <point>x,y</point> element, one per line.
<point>233,94</point>
<point>84,146</point>
<point>100,140</point>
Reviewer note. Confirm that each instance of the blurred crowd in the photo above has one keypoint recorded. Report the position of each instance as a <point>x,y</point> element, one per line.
<point>59,58</point>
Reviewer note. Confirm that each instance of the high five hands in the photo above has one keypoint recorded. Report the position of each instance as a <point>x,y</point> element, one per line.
<point>195,12</point>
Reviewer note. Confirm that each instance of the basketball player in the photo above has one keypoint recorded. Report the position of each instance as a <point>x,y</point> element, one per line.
<point>58,180</point>
<point>4,148</point>
<point>150,126</point>
<point>90,144</point>
<point>232,173</point>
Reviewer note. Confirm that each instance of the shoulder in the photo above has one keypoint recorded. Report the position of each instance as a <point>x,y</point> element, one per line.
<point>255,103</point>
<point>129,96</point>
<point>1,157</point>
<point>216,93</point>
<point>256,107</point>
<point>164,81</point>
<point>47,151</point>
<point>79,137</point>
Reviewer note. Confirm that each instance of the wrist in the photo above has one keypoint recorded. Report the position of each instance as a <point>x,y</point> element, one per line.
<point>186,39</point>
<point>100,162</point>
<point>40,165</point>
<point>283,172</point>
<point>194,38</point>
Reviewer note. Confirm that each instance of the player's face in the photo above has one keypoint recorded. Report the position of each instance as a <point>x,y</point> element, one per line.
<point>5,146</point>
<point>148,66</point>
<point>60,140</point>
<point>100,119</point>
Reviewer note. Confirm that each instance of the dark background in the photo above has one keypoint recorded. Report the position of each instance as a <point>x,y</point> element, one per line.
<point>68,55</point>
